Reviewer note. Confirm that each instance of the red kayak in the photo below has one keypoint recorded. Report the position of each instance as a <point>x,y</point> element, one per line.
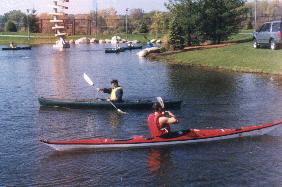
<point>180,137</point>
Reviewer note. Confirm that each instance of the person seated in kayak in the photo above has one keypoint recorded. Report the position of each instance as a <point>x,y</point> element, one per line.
<point>13,45</point>
<point>159,121</point>
<point>117,46</point>
<point>149,44</point>
<point>116,92</point>
<point>130,44</point>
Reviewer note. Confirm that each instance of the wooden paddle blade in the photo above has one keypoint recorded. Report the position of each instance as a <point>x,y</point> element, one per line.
<point>161,101</point>
<point>87,79</point>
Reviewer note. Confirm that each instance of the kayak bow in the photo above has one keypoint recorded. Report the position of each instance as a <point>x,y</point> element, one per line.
<point>180,137</point>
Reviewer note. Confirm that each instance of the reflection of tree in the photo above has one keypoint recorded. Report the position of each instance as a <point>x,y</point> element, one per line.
<point>209,97</point>
<point>200,82</point>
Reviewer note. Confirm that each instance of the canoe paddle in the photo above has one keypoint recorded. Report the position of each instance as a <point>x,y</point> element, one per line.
<point>90,82</point>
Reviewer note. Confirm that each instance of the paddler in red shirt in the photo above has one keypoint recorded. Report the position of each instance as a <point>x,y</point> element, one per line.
<point>159,121</point>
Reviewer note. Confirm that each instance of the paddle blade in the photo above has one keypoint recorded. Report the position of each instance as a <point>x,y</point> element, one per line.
<point>122,112</point>
<point>160,100</point>
<point>87,79</point>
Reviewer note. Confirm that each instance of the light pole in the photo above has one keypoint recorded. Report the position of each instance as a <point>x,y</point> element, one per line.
<point>126,29</point>
<point>28,32</point>
<point>255,14</point>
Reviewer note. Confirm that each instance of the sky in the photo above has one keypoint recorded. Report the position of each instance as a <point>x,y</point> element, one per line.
<point>82,6</point>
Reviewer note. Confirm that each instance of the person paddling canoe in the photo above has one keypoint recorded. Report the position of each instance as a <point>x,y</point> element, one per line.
<point>13,45</point>
<point>159,121</point>
<point>116,92</point>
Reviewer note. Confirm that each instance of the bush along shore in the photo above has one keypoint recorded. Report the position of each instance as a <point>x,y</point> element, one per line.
<point>240,57</point>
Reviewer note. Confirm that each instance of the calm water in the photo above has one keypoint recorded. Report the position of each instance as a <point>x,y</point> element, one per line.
<point>212,99</point>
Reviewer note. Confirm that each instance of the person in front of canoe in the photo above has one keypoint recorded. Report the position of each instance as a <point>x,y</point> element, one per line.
<point>116,91</point>
<point>13,45</point>
<point>149,44</point>
<point>130,44</point>
<point>117,46</point>
<point>159,122</point>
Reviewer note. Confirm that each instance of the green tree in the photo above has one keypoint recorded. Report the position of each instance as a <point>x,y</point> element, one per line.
<point>31,21</point>
<point>2,22</point>
<point>176,40</point>
<point>160,22</point>
<point>221,18</point>
<point>17,17</point>
<point>135,19</point>
<point>187,14</point>
<point>10,26</point>
<point>143,27</point>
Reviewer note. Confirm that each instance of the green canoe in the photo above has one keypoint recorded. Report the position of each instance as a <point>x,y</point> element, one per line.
<point>102,103</point>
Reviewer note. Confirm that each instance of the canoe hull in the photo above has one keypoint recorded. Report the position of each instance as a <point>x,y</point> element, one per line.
<point>103,104</point>
<point>114,50</point>
<point>16,48</point>
<point>189,137</point>
<point>133,47</point>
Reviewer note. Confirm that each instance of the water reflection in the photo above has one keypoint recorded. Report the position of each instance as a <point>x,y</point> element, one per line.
<point>214,99</point>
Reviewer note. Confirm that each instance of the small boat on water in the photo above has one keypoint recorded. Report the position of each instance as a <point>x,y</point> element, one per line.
<point>180,137</point>
<point>16,48</point>
<point>102,103</point>
<point>133,47</point>
<point>114,50</point>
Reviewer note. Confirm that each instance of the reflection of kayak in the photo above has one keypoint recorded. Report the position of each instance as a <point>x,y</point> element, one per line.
<point>16,48</point>
<point>132,47</point>
<point>188,136</point>
<point>102,103</point>
<point>114,50</point>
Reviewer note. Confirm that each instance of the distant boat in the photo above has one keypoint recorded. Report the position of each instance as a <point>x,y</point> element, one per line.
<point>16,48</point>
<point>114,50</point>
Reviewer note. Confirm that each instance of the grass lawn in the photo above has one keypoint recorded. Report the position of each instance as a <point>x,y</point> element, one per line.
<point>38,38</point>
<point>237,57</point>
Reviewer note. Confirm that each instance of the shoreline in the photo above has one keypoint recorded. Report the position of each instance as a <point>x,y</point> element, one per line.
<point>236,57</point>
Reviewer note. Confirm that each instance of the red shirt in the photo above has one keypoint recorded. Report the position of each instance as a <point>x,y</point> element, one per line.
<point>154,125</point>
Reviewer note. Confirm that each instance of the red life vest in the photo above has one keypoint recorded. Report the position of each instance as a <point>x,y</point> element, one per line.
<point>154,125</point>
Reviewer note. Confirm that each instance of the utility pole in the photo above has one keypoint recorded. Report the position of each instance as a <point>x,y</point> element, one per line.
<point>255,15</point>
<point>126,22</point>
<point>96,17</point>
<point>28,31</point>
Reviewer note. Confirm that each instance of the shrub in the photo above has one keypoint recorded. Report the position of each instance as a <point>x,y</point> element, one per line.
<point>10,26</point>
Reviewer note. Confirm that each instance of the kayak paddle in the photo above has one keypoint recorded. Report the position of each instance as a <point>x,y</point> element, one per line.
<point>90,82</point>
<point>119,110</point>
<point>87,79</point>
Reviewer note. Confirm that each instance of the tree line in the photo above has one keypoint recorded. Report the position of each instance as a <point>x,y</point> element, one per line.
<point>16,20</point>
<point>187,22</point>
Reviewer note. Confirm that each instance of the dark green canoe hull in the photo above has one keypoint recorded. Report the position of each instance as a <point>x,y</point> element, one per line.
<point>16,48</point>
<point>103,104</point>
<point>132,47</point>
<point>114,50</point>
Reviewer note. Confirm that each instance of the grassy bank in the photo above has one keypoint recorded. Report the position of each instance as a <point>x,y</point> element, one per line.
<point>237,57</point>
<point>21,38</point>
